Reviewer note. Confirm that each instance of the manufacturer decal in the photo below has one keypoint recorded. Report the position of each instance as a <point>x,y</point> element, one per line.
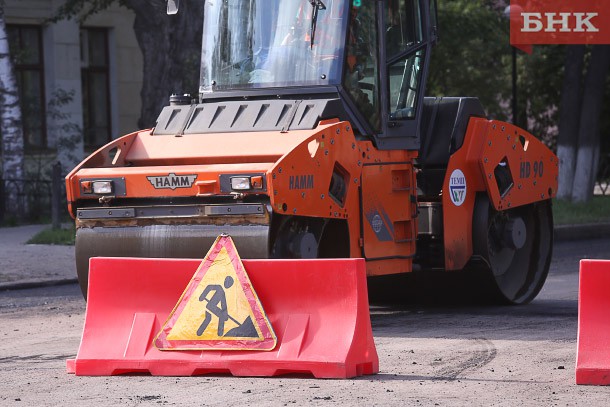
<point>457,187</point>
<point>377,223</point>
<point>381,224</point>
<point>527,167</point>
<point>172,181</point>
<point>300,182</point>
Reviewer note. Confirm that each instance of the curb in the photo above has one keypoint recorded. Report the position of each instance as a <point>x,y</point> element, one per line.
<point>24,285</point>
<point>565,233</point>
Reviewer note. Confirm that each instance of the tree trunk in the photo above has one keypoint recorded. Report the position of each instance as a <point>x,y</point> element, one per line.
<point>569,119</point>
<point>10,126</point>
<point>171,48</point>
<point>588,134</point>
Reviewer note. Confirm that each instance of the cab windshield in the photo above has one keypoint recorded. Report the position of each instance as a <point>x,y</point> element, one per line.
<point>272,43</point>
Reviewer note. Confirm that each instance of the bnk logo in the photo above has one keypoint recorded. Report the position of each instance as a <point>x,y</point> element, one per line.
<point>559,22</point>
<point>562,22</point>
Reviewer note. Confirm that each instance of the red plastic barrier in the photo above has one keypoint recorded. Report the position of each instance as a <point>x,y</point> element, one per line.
<point>593,349</point>
<point>318,310</point>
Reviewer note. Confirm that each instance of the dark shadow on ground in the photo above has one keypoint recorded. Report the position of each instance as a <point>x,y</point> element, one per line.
<point>459,305</point>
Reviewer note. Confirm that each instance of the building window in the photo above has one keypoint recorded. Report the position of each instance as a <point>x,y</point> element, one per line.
<point>95,74</point>
<point>26,51</point>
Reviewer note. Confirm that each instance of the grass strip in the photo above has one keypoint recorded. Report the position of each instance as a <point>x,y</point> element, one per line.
<point>52,236</point>
<point>595,211</point>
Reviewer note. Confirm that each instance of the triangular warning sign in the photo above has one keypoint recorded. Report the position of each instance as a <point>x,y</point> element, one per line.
<point>219,309</point>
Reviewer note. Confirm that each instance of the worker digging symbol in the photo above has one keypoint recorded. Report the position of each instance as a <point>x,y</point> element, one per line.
<point>217,305</point>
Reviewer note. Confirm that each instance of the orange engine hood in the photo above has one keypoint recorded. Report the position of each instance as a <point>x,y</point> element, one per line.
<point>224,148</point>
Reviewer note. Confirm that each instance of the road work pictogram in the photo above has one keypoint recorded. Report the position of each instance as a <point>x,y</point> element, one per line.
<point>219,309</point>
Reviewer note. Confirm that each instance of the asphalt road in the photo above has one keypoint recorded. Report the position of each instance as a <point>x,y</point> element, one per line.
<point>445,356</point>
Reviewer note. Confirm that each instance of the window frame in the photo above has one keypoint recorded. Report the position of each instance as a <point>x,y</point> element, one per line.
<point>417,53</point>
<point>39,67</point>
<point>86,71</point>
<point>370,126</point>
<point>403,133</point>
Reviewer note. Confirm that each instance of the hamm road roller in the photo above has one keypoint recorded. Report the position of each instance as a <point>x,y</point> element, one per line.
<point>311,138</point>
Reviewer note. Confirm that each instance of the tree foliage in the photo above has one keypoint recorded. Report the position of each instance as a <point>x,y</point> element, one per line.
<point>539,85</point>
<point>472,56</point>
<point>82,9</point>
<point>170,46</point>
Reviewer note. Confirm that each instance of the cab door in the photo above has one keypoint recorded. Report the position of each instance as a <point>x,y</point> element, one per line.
<point>407,32</point>
<point>389,211</point>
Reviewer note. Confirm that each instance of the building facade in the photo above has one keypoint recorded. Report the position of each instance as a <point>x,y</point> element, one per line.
<point>79,82</point>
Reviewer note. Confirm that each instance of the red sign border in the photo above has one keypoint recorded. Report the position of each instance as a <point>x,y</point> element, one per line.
<point>269,341</point>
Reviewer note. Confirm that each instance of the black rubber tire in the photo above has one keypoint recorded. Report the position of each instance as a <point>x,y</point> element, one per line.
<point>516,274</point>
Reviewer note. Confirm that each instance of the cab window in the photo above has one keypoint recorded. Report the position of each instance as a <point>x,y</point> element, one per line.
<point>403,26</point>
<point>404,80</point>
<point>405,53</point>
<point>361,78</point>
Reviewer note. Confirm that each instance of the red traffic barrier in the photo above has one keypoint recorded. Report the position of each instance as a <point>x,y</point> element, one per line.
<point>593,348</point>
<point>318,310</point>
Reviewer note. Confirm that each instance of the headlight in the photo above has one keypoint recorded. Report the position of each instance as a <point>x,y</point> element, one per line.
<point>240,183</point>
<point>102,187</point>
<point>97,187</point>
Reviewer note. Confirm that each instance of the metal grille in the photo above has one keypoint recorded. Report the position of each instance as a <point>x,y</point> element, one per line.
<point>602,182</point>
<point>34,198</point>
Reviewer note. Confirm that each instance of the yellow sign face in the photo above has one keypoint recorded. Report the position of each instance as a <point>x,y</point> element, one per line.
<point>219,308</point>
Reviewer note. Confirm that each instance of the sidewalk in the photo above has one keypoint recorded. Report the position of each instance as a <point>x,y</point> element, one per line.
<point>23,265</point>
